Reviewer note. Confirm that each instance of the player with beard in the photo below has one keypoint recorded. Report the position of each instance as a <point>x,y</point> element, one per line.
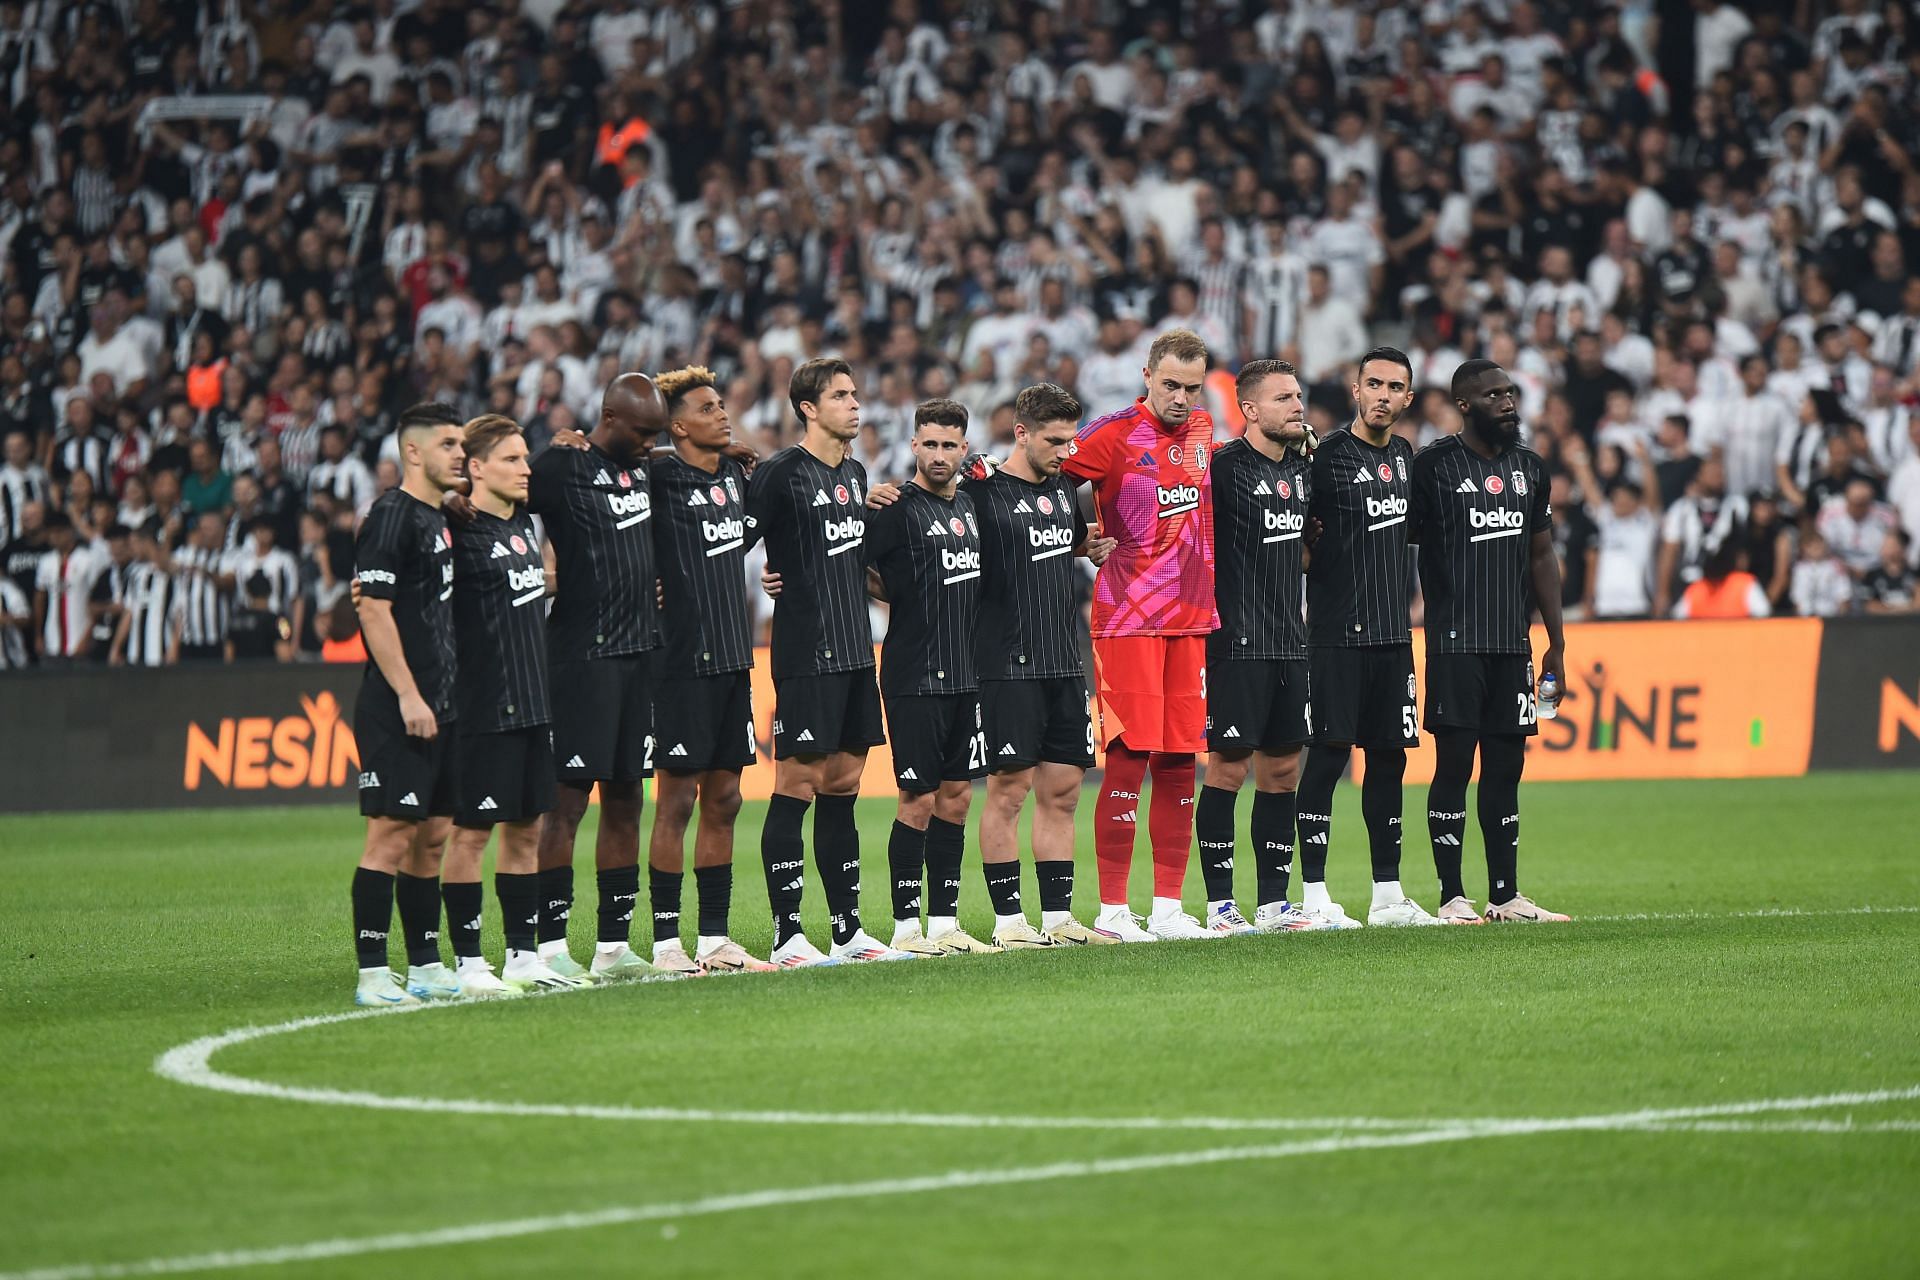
<point>1485,529</point>
<point>924,549</point>
<point>597,508</point>
<point>808,503</point>
<point>1033,691</point>
<point>1359,639</point>
<point>404,714</point>
<point>704,694</point>
<point>1257,699</point>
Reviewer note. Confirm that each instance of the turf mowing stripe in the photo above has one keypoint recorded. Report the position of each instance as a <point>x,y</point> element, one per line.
<point>955,1180</point>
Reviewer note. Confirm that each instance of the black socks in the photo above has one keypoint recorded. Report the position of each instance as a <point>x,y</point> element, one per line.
<point>1501,761</point>
<point>836,852</point>
<point>945,841</point>
<point>519,909</point>
<point>784,855</point>
<point>1003,886</point>
<point>463,916</point>
<point>1213,827</point>
<point>1317,781</point>
<point>906,854</point>
<point>716,898</point>
<point>1380,802</point>
<point>372,916</point>
<point>419,900</point>
<point>619,890</point>
<point>554,897</point>
<point>663,895</point>
<point>1274,816</point>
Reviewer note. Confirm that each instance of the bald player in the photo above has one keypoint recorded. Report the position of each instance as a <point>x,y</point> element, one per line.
<point>597,506</point>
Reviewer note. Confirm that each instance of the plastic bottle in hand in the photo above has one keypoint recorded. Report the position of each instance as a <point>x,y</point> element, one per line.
<point>1549,703</point>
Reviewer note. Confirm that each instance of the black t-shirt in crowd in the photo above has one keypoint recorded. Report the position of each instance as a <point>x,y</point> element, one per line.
<point>1360,583</point>
<point>1474,519</point>
<point>1031,627</point>
<point>927,550</point>
<point>701,543</point>
<point>404,553</point>
<point>499,608</point>
<point>814,520</point>
<point>1259,525</point>
<point>598,513</point>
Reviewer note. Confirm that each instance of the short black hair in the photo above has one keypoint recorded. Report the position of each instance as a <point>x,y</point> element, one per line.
<point>810,382</point>
<point>1467,372</point>
<point>940,413</point>
<point>1392,355</point>
<point>428,416</point>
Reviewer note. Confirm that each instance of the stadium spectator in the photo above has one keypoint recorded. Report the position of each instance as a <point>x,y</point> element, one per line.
<point>1822,588</point>
<point>518,208</point>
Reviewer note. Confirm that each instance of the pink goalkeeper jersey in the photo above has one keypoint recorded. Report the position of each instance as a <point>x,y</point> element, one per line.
<point>1153,493</point>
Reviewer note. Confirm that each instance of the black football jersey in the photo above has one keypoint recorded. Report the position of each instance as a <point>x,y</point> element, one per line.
<point>814,520</point>
<point>1259,526</point>
<point>500,620</point>
<point>1360,580</point>
<point>927,550</point>
<point>598,514</point>
<point>404,553</point>
<point>1031,627</point>
<point>702,540</point>
<point>1474,519</point>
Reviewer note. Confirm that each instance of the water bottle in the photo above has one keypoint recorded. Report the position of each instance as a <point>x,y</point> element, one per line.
<point>1549,696</point>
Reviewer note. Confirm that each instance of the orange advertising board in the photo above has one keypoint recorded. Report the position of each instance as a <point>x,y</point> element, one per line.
<point>1665,700</point>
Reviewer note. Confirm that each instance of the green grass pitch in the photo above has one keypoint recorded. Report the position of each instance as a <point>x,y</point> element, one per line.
<point>1502,1101</point>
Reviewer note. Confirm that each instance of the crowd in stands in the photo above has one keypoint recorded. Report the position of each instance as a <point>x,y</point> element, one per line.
<point>237,236</point>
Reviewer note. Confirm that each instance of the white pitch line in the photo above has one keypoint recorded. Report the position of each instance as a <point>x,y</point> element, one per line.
<point>1782,1126</point>
<point>958,1179</point>
<point>191,1064</point>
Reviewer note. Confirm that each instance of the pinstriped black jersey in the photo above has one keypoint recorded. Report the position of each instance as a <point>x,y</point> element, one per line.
<point>927,550</point>
<point>1030,622</point>
<point>702,540</point>
<point>1259,523</point>
<point>598,514</point>
<point>814,520</point>
<point>1474,519</point>
<point>500,624</point>
<point>1360,584</point>
<point>404,553</point>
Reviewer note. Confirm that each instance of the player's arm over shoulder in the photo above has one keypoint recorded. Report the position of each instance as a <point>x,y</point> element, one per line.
<point>1092,453</point>
<point>547,478</point>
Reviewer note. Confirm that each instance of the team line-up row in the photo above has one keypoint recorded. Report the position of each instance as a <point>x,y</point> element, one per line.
<point>510,673</point>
